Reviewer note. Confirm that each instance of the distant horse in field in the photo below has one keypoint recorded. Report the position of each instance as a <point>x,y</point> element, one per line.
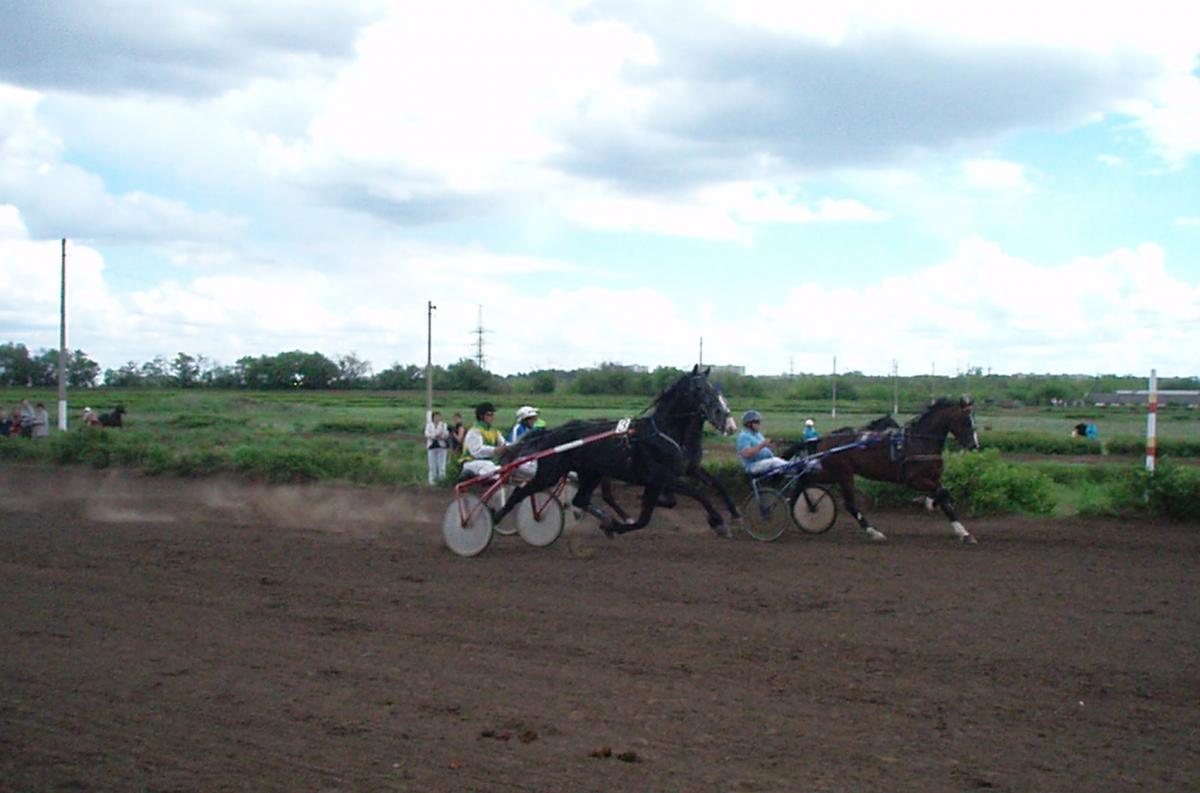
<point>652,454</point>
<point>910,455</point>
<point>112,419</point>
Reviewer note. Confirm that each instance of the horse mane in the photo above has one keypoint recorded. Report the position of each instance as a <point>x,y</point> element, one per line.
<point>938,405</point>
<point>543,438</point>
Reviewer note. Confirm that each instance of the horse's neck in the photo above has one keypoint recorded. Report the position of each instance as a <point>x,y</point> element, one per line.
<point>931,431</point>
<point>677,421</point>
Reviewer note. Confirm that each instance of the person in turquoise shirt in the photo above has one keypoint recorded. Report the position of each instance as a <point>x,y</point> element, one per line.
<point>754,450</point>
<point>811,437</point>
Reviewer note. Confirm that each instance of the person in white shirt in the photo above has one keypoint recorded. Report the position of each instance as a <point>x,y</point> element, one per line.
<point>437,441</point>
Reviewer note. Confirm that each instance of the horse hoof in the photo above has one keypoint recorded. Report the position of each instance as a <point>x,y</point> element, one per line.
<point>969,539</point>
<point>876,535</point>
<point>723,531</point>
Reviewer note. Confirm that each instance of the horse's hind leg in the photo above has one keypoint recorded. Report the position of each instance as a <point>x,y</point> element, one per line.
<point>942,499</point>
<point>606,492</point>
<point>847,486</point>
<point>583,501</point>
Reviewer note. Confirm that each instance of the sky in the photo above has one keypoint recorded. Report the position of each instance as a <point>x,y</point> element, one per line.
<point>763,184</point>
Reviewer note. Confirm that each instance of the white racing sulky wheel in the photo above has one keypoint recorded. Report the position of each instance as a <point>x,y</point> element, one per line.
<point>498,500</point>
<point>467,526</point>
<point>539,519</point>
<point>814,510</point>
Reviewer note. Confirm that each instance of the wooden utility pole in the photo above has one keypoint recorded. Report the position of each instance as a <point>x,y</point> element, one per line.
<point>833,413</point>
<point>429,360</point>
<point>62,344</point>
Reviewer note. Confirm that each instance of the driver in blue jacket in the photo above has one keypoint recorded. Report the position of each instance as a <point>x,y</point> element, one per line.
<point>754,450</point>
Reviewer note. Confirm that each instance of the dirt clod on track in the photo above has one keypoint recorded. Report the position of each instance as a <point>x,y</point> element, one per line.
<point>210,635</point>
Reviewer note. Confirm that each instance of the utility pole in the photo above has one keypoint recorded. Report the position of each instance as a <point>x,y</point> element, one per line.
<point>62,344</point>
<point>895,388</point>
<point>932,382</point>
<point>701,358</point>
<point>429,360</point>
<point>479,359</point>
<point>833,413</point>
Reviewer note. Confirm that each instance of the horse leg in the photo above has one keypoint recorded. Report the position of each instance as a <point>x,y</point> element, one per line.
<point>649,501</point>
<point>583,501</point>
<point>847,486</point>
<point>942,499</point>
<point>715,521</point>
<point>606,492</point>
<point>525,490</point>
<point>712,482</point>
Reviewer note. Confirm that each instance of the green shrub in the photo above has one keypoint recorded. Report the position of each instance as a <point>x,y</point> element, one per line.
<point>982,484</point>
<point>1029,443</point>
<point>1171,491</point>
<point>359,426</point>
<point>192,421</point>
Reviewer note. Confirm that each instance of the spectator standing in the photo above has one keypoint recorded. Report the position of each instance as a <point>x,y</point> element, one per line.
<point>437,442</point>
<point>27,419</point>
<point>41,422</point>
<point>457,433</point>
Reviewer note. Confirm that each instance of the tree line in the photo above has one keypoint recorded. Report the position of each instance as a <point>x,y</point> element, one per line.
<point>313,370</point>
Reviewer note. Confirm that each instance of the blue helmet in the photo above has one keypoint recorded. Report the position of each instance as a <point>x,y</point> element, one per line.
<point>749,416</point>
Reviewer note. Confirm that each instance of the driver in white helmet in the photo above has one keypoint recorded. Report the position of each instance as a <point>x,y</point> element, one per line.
<point>754,451</point>
<point>527,417</point>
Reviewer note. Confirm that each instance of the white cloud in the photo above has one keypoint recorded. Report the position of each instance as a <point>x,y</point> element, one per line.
<point>996,175</point>
<point>1121,312</point>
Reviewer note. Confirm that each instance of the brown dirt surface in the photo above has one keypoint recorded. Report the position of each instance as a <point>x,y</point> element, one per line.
<point>213,635</point>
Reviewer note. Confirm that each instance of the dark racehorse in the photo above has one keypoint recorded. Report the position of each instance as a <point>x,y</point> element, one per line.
<point>112,419</point>
<point>652,454</point>
<point>910,455</point>
<point>692,444</point>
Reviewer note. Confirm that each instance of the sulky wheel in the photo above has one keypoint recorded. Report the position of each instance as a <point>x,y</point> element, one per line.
<point>467,526</point>
<point>814,510</point>
<point>766,515</point>
<point>498,499</point>
<point>539,519</point>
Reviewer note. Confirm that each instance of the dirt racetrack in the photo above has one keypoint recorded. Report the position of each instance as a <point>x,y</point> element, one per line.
<point>166,635</point>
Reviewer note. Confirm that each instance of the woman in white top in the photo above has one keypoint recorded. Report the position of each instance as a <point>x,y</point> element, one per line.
<point>437,440</point>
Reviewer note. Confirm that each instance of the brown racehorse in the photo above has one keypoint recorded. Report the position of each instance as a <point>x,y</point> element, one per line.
<point>910,455</point>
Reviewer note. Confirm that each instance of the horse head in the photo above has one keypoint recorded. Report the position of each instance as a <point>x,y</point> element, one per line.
<point>949,417</point>
<point>693,394</point>
<point>710,402</point>
<point>962,425</point>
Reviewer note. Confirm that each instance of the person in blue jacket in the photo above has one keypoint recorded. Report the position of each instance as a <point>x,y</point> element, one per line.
<point>753,449</point>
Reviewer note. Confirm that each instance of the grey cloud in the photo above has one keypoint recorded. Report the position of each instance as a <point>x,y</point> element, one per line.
<point>733,93</point>
<point>174,48</point>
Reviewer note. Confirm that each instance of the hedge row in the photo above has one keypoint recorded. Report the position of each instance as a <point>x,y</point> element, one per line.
<point>1029,443</point>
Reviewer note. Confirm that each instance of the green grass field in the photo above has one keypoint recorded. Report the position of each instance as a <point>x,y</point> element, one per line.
<point>376,437</point>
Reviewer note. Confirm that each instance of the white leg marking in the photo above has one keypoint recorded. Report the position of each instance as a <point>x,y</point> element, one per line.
<point>961,532</point>
<point>875,534</point>
<point>929,504</point>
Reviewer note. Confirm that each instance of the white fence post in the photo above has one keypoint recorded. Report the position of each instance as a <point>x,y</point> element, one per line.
<point>1152,422</point>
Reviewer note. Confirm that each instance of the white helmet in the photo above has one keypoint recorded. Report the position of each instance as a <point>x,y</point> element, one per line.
<point>809,423</point>
<point>526,412</point>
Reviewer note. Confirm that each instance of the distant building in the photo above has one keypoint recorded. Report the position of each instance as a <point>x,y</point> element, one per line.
<point>1102,399</point>
<point>726,371</point>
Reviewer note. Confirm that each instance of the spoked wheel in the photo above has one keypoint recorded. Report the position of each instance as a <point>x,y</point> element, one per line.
<point>814,510</point>
<point>506,527</point>
<point>540,523</point>
<point>469,537</point>
<point>766,515</point>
